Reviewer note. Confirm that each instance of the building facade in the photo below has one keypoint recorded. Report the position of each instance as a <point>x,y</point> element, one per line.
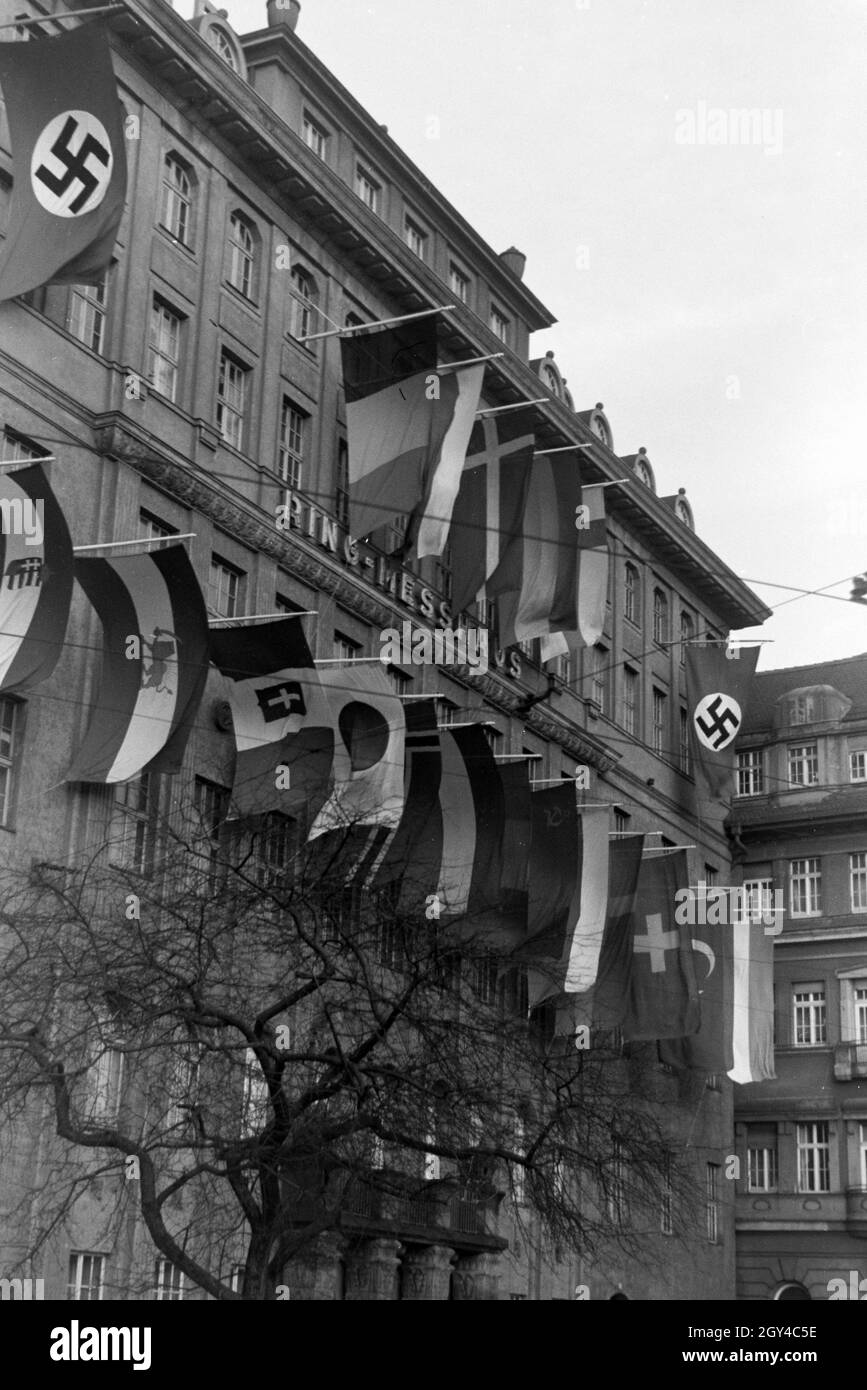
<point>184,396</point>
<point>798,825</point>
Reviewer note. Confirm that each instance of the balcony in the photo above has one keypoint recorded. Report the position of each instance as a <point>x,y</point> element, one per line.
<point>850,1061</point>
<point>856,1211</point>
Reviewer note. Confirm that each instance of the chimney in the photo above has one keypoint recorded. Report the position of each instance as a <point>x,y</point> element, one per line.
<point>283,14</point>
<point>515,261</point>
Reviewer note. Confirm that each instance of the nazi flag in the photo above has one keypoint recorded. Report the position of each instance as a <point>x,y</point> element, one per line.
<point>69,160</point>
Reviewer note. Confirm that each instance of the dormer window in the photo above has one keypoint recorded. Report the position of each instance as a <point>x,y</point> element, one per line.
<point>551,379</point>
<point>642,468</point>
<point>222,44</point>
<point>802,709</point>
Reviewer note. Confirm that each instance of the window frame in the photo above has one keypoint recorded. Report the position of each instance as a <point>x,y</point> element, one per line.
<point>182,233</point>
<point>809,1015</point>
<point>89,303</point>
<point>750,772</point>
<point>235,595</point>
<point>809,1141</point>
<point>810,892</point>
<point>243,242</point>
<point>365,179</point>
<point>291,460</point>
<point>161,310</point>
<point>10,762</point>
<point>235,412</point>
<point>75,1282</point>
<point>322,136</point>
<point>802,758</point>
<point>632,594</point>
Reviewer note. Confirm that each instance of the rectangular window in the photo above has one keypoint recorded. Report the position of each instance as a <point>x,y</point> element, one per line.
<point>762,1158</point>
<point>168,1282</point>
<point>212,805</point>
<point>803,764</point>
<point>164,349</point>
<point>711,875</point>
<point>134,829</point>
<point>315,136</point>
<point>666,1214</point>
<point>802,710</point>
<point>341,483</point>
<point>599,688</point>
<point>368,189</point>
<point>293,429</point>
<point>751,776</point>
<point>443,573</point>
<point>617,1186</point>
<point>858,881</point>
<point>274,850</point>
<point>659,717</point>
<point>858,767</point>
<point>863,1146</point>
<point>861,1013</point>
<point>758,896</point>
<point>344,649</point>
<point>86,316</point>
<point>621,821</point>
<point>9,713</point>
<point>459,283</point>
<point>805,887</point>
<point>232,399</point>
<point>811,1028</point>
<point>684,753</point>
<point>415,237</point>
<point>499,325</point>
<point>153,529</point>
<point>712,1202</point>
<point>630,700</point>
<point>224,589</point>
<point>86,1276</point>
<point>18,449</point>
<point>814,1157</point>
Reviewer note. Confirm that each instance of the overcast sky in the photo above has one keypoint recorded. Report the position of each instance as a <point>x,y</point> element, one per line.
<point>708,275</point>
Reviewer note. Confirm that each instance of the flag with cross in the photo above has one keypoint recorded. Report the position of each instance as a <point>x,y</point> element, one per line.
<point>718,685</point>
<point>490,502</point>
<point>69,170</point>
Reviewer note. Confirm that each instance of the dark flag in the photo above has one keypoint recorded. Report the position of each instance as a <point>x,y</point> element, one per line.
<point>411,863</point>
<point>490,503</point>
<point>66,128</point>
<point>282,720</point>
<point>36,583</point>
<point>610,998</point>
<point>396,424</point>
<point>154,665</point>
<point>718,688</point>
<point>709,1050</point>
<point>663,993</point>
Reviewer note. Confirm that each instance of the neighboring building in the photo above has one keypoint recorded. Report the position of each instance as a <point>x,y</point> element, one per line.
<point>182,396</point>
<point>799,824</point>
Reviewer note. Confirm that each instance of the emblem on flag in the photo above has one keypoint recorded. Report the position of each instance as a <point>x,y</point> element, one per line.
<point>277,701</point>
<point>71,165</point>
<point>717,720</point>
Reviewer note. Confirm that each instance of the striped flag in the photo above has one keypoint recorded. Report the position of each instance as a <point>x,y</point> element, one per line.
<point>568,894</point>
<point>553,575</point>
<point>369,743</point>
<point>490,503</point>
<point>66,127</point>
<point>611,991</point>
<point>154,665</point>
<point>753,1004</point>
<point>283,724</point>
<point>431,529</point>
<point>398,413</point>
<point>36,583</point>
<point>412,859</point>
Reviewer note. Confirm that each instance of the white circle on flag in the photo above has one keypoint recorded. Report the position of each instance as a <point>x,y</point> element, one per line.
<point>717,720</point>
<point>71,165</point>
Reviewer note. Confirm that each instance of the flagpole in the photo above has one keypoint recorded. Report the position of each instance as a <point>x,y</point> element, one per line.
<point>23,463</point>
<point>376,323</point>
<point>63,14</point>
<point>467,362</point>
<point>254,617</point>
<point>346,660</point>
<point>142,540</point>
<point>501,409</point>
<point>566,449</point>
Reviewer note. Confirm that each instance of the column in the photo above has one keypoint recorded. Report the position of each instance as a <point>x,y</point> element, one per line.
<point>372,1272</point>
<point>426,1274</point>
<point>476,1277</point>
<point>314,1275</point>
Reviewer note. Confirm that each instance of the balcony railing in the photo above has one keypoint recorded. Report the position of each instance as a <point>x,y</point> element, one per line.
<point>850,1060</point>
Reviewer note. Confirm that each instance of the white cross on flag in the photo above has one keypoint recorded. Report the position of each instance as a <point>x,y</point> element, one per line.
<point>718,688</point>
<point>69,172</point>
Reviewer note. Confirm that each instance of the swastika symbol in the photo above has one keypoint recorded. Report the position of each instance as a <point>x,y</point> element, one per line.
<point>71,165</point>
<point>717,720</point>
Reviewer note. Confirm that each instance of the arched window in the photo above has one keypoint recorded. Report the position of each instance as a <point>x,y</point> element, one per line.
<point>303,304</point>
<point>687,631</point>
<point>219,40</point>
<point>176,214</point>
<point>242,255</point>
<point>660,616</point>
<point>792,1293</point>
<point>632,595</point>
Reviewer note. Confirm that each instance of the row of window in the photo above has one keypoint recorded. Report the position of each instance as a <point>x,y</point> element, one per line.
<point>88,1270</point>
<point>809,1015</point>
<point>802,762</point>
<point>661,623</point>
<point>805,885</point>
<point>812,1156</point>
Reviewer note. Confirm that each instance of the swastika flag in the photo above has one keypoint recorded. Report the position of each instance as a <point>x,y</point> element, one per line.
<point>718,687</point>
<point>69,173</point>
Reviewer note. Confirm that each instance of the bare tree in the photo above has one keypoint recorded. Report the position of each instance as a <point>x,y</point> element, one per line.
<point>243,1053</point>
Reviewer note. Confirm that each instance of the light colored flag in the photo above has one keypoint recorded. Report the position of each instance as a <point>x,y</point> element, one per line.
<point>753,1004</point>
<point>369,744</point>
<point>436,514</point>
<point>35,579</point>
